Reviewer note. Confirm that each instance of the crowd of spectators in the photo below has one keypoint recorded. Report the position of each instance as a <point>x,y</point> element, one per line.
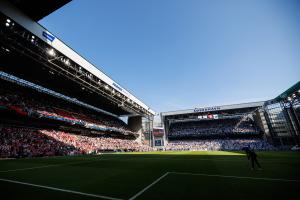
<point>27,142</point>
<point>220,127</point>
<point>93,144</point>
<point>219,144</point>
<point>38,105</point>
<point>23,142</point>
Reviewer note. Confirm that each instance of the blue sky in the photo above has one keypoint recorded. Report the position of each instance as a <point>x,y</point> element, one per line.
<point>178,54</point>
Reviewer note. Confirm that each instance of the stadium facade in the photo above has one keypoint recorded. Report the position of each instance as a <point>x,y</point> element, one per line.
<point>276,120</point>
<point>215,115</point>
<point>283,116</point>
<point>34,58</point>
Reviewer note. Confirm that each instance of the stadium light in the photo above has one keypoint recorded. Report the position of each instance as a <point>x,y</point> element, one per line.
<point>51,52</point>
<point>106,87</point>
<point>32,38</point>
<point>67,62</point>
<point>289,99</point>
<point>7,24</point>
<point>294,95</point>
<point>5,49</point>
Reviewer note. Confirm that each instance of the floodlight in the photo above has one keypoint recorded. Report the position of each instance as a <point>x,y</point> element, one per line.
<point>67,62</point>
<point>51,52</point>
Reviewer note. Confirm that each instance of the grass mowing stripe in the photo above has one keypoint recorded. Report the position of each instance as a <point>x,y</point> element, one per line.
<point>55,165</point>
<point>149,186</point>
<point>61,190</point>
<point>237,177</point>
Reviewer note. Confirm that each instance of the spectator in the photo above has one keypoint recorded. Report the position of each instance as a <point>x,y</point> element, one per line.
<point>26,142</point>
<point>219,144</point>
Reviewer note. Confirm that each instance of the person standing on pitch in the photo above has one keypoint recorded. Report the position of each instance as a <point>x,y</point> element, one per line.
<point>252,156</point>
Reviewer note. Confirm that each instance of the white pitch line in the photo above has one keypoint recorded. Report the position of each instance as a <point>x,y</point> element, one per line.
<point>237,177</point>
<point>29,168</point>
<point>149,186</point>
<point>54,165</point>
<point>61,190</point>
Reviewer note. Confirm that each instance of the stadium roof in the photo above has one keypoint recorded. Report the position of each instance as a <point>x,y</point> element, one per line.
<point>38,9</point>
<point>33,53</point>
<point>288,92</point>
<point>214,108</point>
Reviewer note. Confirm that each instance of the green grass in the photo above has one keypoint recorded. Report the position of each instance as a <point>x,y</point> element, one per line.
<point>122,175</point>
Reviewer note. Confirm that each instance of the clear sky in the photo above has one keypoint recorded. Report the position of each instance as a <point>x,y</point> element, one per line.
<point>178,54</point>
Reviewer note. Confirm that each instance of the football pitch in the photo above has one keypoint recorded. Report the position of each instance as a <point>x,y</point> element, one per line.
<point>152,176</point>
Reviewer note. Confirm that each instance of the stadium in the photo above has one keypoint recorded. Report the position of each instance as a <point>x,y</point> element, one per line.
<point>69,131</point>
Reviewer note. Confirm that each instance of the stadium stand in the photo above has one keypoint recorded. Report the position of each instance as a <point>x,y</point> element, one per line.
<point>28,142</point>
<point>220,127</point>
<point>86,131</point>
<point>219,145</point>
<point>229,127</point>
<point>38,105</point>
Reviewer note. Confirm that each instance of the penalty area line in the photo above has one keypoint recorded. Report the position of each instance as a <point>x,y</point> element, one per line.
<point>149,186</point>
<point>28,168</point>
<point>55,165</point>
<point>61,190</point>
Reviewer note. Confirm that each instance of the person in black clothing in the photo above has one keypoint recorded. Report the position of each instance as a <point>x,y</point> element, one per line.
<point>252,156</point>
